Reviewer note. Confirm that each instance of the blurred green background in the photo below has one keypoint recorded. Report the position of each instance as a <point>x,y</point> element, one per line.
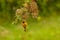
<point>47,8</point>
<point>47,28</point>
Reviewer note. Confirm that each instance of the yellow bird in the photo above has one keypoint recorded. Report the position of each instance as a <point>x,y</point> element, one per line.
<point>24,24</point>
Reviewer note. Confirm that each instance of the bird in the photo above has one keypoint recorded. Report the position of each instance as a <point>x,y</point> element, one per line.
<point>24,24</point>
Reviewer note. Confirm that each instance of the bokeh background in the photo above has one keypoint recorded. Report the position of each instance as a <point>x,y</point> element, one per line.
<point>45,28</point>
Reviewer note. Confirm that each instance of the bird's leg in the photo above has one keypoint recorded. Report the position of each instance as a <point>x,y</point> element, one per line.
<point>25,29</point>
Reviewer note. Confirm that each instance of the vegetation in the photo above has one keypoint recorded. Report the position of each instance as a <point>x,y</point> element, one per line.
<point>46,27</point>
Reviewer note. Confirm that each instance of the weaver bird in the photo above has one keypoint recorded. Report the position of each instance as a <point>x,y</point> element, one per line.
<point>24,24</point>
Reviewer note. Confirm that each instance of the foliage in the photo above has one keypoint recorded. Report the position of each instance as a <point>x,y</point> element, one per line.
<point>46,7</point>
